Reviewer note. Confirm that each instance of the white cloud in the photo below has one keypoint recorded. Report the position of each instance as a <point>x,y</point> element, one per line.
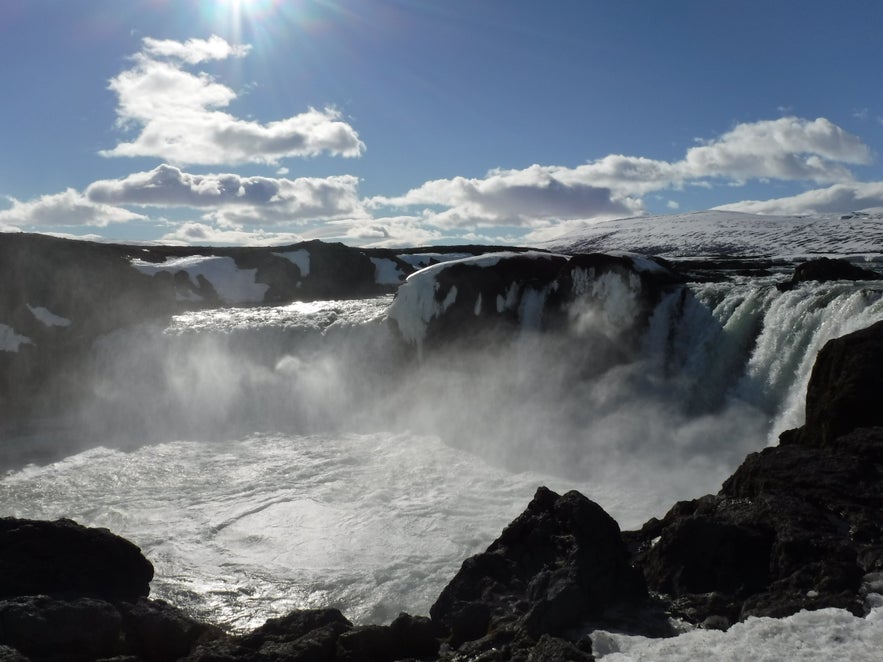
<point>788,148</point>
<point>194,51</point>
<point>389,232</point>
<point>232,199</point>
<point>200,233</point>
<point>179,117</point>
<point>833,199</point>
<point>65,209</point>
<point>514,198</point>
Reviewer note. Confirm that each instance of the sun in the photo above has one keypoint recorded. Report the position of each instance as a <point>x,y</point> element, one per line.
<point>237,13</point>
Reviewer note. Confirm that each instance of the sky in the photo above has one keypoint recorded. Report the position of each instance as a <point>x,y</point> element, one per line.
<point>406,122</point>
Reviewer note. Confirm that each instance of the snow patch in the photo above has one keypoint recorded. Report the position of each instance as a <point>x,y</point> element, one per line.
<point>415,305</point>
<point>300,258</point>
<point>420,260</point>
<point>485,260</point>
<point>825,634</point>
<point>233,285</point>
<point>47,317</point>
<point>386,271</point>
<point>10,341</point>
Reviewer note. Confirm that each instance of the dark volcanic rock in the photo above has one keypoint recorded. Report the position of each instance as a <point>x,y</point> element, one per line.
<point>797,526</point>
<point>65,559</point>
<point>824,269</point>
<point>492,297</point>
<point>845,388</point>
<point>557,566</point>
<point>156,631</point>
<point>47,629</point>
<point>319,635</point>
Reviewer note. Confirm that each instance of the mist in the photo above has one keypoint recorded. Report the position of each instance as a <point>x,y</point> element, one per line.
<point>672,410</point>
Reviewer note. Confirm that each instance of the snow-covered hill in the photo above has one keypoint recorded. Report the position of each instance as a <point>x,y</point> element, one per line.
<point>734,234</point>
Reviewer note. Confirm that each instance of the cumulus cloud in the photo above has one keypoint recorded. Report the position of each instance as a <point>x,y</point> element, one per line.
<point>833,199</point>
<point>390,232</point>
<point>179,117</point>
<point>227,200</point>
<point>513,197</point>
<point>201,233</point>
<point>65,209</point>
<point>233,199</point>
<point>788,148</point>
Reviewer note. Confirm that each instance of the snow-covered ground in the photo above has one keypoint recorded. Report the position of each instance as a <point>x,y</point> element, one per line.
<point>728,233</point>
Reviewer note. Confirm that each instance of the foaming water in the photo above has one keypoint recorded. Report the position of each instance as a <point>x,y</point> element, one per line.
<point>242,530</point>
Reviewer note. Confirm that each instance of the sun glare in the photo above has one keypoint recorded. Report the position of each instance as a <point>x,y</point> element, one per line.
<point>238,13</point>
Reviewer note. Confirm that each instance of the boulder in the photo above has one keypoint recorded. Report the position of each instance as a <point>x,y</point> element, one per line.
<point>825,269</point>
<point>844,388</point>
<point>156,631</point>
<point>64,559</point>
<point>43,628</point>
<point>556,567</point>
<point>795,527</point>
<point>407,637</point>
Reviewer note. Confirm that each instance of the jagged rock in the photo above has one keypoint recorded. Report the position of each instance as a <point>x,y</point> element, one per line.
<point>156,631</point>
<point>558,565</point>
<point>794,528</point>
<point>65,559</point>
<point>309,635</point>
<point>407,637</point>
<point>844,388</point>
<point>43,628</point>
<point>824,269</point>
<point>324,634</point>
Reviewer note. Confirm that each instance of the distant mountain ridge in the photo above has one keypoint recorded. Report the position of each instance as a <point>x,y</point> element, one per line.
<point>715,233</point>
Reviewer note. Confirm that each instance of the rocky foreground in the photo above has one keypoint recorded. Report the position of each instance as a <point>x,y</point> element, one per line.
<point>796,527</point>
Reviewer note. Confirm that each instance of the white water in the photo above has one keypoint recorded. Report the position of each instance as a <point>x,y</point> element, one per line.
<point>267,459</point>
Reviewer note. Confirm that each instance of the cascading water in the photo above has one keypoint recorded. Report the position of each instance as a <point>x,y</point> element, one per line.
<point>272,458</point>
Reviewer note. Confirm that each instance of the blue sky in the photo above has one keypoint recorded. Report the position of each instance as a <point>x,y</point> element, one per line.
<point>398,122</point>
